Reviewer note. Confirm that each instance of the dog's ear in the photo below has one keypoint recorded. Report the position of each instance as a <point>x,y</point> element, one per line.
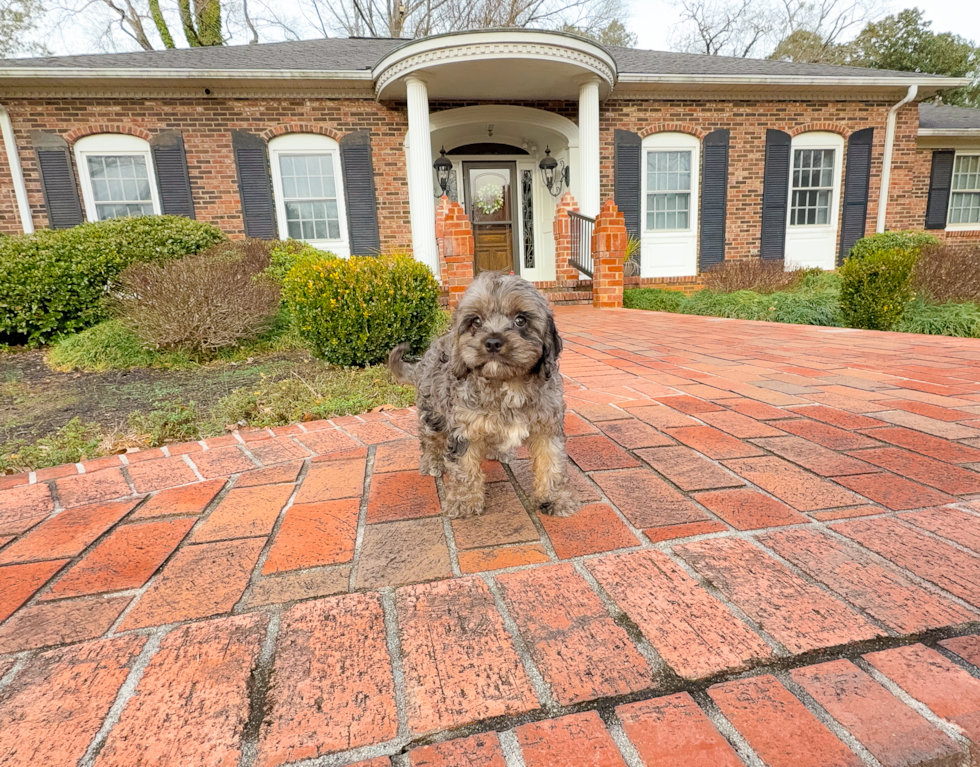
<point>552,349</point>
<point>456,364</point>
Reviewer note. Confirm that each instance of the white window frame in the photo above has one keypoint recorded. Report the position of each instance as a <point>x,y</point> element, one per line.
<point>815,245</point>
<point>670,252</point>
<point>306,144</point>
<point>118,144</point>
<point>961,227</point>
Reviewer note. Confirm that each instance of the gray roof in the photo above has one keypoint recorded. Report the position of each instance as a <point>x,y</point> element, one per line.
<point>327,55</point>
<point>932,117</point>
<point>346,54</point>
<point>633,61</point>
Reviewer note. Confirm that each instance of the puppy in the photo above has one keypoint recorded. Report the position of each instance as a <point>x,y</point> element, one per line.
<point>487,386</point>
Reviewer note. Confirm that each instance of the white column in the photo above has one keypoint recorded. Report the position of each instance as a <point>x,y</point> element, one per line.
<point>420,200</point>
<point>588,153</point>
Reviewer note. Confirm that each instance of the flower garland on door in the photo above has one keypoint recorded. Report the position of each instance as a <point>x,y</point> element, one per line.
<point>489,199</point>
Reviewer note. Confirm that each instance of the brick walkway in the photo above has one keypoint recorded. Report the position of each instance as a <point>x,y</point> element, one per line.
<point>778,563</point>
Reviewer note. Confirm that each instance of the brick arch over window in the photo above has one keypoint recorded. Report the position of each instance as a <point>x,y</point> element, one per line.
<point>284,128</point>
<point>840,130</point>
<point>691,130</point>
<point>88,130</point>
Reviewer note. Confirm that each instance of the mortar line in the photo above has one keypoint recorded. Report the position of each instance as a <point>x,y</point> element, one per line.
<point>362,511</point>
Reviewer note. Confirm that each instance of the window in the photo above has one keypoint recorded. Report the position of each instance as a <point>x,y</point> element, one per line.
<point>117,177</point>
<point>668,191</point>
<point>964,201</point>
<point>670,180</point>
<point>309,196</point>
<point>813,187</point>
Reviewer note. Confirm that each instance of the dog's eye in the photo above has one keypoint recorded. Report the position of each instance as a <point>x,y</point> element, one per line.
<point>520,321</point>
<point>477,322</point>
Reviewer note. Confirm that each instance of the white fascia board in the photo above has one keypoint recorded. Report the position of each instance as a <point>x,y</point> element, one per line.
<point>120,73</point>
<point>950,132</point>
<point>857,82</point>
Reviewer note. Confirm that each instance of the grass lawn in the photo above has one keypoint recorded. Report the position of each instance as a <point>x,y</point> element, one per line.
<point>127,397</point>
<point>813,300</point>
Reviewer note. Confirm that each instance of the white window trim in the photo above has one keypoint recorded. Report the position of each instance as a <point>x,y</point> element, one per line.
<point>949,205</point>
<point>815,245</point>
<point>310,143</point>
<point>674,241</point>
<point>818,140</point>
<point>111,144</point>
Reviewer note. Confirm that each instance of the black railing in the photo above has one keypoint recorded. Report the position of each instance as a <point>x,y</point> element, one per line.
<point>581,231</point>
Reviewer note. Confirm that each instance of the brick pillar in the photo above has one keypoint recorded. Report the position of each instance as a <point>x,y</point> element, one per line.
<point>456,247</point>
<point>608,254</point>
<point>565,273</point>
<point>442,209</point>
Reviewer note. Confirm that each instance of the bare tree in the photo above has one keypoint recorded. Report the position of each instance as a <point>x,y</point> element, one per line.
<point>751,28</point>
<point>418,18</point>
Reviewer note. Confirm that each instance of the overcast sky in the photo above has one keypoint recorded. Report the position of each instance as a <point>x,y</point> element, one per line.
<point>651,19</point>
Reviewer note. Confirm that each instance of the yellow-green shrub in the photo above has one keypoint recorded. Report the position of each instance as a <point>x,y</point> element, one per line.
<point>876,279</point>
<point>354,311</point>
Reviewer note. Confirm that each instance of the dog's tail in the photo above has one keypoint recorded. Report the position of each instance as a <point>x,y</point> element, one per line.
<point>404,372</point>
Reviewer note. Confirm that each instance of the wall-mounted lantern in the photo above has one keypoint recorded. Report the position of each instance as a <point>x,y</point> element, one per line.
<point>554,172</point>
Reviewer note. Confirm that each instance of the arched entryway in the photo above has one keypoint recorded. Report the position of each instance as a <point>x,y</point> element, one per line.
<point>498,147</point>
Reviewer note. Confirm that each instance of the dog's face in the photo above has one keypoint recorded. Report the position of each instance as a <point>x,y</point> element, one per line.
<point>503,328</point>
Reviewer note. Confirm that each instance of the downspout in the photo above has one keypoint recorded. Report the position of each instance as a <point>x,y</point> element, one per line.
<point>886,161</point>
<point>13,159</point>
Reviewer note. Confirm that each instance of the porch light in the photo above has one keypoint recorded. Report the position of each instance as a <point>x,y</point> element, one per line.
<point>443,167</point>
<point>554,172</point>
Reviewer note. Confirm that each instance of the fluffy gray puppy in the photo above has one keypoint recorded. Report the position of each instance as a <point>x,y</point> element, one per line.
<point>487,386</point>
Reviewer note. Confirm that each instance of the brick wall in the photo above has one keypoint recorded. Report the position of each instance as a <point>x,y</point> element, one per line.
<point>748,122</point>
<point>206,125</point>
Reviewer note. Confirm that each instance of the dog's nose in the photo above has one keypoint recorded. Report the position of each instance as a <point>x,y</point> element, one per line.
<point>494,344</point>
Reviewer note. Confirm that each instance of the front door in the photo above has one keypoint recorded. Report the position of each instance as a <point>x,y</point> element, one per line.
<point>490,205</point>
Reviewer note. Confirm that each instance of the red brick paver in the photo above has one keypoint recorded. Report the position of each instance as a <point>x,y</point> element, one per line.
<point>826,486</point>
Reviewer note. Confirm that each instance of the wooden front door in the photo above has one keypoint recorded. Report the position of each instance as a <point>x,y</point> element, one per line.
<point>490,205</point>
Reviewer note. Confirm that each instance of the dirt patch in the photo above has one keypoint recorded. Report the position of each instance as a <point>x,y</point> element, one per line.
<point>36,401</point>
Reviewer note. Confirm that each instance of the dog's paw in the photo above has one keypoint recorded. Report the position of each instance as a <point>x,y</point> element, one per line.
<point>460,509</point>
<point>559,507</point>
<point>431,468</point>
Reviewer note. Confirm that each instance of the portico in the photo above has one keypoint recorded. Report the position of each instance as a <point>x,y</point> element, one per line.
<point>497,146</point>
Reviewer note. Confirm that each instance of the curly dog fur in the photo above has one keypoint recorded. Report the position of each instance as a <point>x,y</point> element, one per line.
<point>487,386</point>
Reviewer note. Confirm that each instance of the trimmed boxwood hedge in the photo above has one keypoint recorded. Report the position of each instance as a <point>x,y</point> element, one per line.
<point>54,282</point>
<point>353,312</point>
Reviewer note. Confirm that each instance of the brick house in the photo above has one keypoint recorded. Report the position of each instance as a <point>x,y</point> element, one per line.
<point>334,141</point>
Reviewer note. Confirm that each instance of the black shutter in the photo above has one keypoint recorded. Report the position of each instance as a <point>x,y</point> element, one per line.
<point>940,182</point>
<point>173,181</point>
<point>775,195</point>
<point>254,185</point>
<point>362,204</point>
<point>57,180</point>
<point>626,182</point>
<point>856,182</point>
<point>714,197</point>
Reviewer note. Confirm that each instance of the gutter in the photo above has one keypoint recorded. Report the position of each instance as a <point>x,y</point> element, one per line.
<point>13,160</point>
<point>950,132</point>
<point>886,161</point>
<point>128,73</point>
<point>845,81</point>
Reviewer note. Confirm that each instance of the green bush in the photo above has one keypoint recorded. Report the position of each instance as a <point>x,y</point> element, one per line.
<point>950,319</point>
<point>876,279</point>
<point>286,254</point>
<point>353,312</point>
<point>53,282</point>
<point>653,299</point>
<point>908,240</point>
